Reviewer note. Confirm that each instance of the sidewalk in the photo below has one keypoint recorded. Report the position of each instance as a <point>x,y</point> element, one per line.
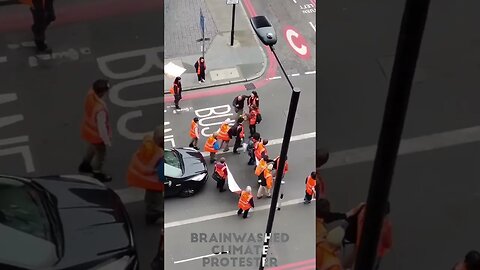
<point>242,62</point>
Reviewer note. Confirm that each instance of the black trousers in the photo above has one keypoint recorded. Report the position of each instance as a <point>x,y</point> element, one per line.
<point>41,20</point>
<point>245,213</point>
<point>177,100</point>
<point>201,76</point>
<point>253,129</point>
<point>238,142</point>
<point>220,184</point>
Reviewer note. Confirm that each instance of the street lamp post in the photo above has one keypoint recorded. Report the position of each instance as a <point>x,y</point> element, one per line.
<point>408,47</point>
<point>266,34</point>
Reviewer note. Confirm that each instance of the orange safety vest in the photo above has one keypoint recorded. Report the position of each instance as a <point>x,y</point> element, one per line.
<point>262,165</point>
<point>259,150</point>
<point>223,132</point>
<point>385,241</point>
<point>221,170</point>
<point>209,145</point>
<point>142,169</point>
<point>193,130</point>
<point>198,69</point>
<point>310,187</point>
<point>244,201</point>
<point>172,89</point>
<point>326,259</point>
<point>285,169</point>
<point>253,117</point>
<point>93,105</point>
<point>268,176</point>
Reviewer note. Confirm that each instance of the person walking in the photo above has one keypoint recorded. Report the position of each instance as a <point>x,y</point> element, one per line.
<point>43,14</point>
<point>254,118</point>
<point>253,99</point>
<point>260,149</point>
<point>200,67</point>
<point>194,134</point>
<point>240,135</point>
<point>212,146</point>
<point>157,263</point>
<point>310,183</point>
<point>245,203</point>
<point>223,134</point>
<point>220,174</point>
<point>276,164</point>
<point>266,182</point>
<point>470,262</point>
<point>239,103</point>
<point>386,240</point>
<point>96,131</point>
<point>142,173</point>
<point>328,250</point>
<point>176,91</point>
<point>251,147</point>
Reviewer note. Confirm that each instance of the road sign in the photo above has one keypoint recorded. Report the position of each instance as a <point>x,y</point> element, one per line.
<point>202,21</point>
<point>297,42</point>
<point>232,2</point>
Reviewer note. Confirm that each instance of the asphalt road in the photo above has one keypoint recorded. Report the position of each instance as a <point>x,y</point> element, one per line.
<point>210,212</point>
<point>42,99</point>
<point>435,189</point>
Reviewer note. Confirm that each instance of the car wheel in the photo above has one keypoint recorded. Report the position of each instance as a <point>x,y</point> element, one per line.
<point>186,192</point>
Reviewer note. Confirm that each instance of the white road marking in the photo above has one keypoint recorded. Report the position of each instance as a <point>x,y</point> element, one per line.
<point>122,126</point>
<point>274,78</point>
<point>200,257</point>
<point>13,46</point>
<point>295,1</point>
<point>310,72</point>
<point>14,140</point>
<point>26,154</point>
<point>366,154</point>
<point>296,74</point>
<point>3,59</point>
<point>313,26</point>
<point>225,214</point>
<point>5,98</point>
<point>28,44</point>
<point>274,142</point>
<point>407,146</point>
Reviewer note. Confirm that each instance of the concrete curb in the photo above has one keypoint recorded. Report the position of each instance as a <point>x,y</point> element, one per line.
<point>242,80</point>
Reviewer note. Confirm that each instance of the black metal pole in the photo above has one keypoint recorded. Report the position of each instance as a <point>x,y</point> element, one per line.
<point>281,67</point>
<point>408,47</point>
<point>278,178</point>
<point>203,44</point>
<point>233,25</point>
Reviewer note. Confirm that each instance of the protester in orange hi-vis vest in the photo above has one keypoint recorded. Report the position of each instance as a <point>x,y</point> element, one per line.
<point>310,183</point>
<point>266,182</point>
<point>262,165</point>
<point>212,146</point>
<point>245,202</point>
<point>328,250</point>
<point>253,118</point>
<point>194,134</point>
<point>386,239</point>
<point>223,134</point>
<point>96,131</point>
<point>200,67</point>
<point>43,14</point>
<point>176,91</point>
<point>142,173</point>
<point>276,164</point>
<point>220,174</point>
<point>260,149</point>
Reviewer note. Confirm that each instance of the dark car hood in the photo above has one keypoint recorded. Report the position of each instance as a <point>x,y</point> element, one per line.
<point>193,160</point>
<point>94,221</point>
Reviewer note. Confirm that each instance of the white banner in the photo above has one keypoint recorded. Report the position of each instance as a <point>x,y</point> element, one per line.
<point>232,185</point>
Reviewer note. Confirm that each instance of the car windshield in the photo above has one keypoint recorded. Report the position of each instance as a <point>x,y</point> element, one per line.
<point>24,227</point>
<point>173,164</point>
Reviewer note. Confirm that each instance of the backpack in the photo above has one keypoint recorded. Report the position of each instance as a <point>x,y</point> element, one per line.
<point>259,118</point>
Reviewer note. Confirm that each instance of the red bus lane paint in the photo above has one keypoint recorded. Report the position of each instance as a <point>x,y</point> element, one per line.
<point>297,42</point>
<point>314,2</point>
<point>296,265</point>
<point>19,19</point>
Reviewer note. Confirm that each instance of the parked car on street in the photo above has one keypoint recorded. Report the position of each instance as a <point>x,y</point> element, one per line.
<point>63,222</point>
<point>185,171</point>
